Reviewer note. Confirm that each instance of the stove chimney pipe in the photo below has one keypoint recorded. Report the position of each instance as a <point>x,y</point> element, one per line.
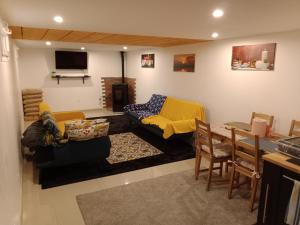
<point>123,69</point>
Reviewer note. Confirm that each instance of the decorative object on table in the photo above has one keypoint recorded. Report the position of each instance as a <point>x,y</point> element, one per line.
<point>259,127</point>
<point>147,60</point>
<point>31,100</point>
<point>184,63</point>
<point>253,57</point>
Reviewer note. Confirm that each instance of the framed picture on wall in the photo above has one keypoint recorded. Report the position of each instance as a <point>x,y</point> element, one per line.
<point>253,57</point>
<point>147,60</point>
<point>184,63</point>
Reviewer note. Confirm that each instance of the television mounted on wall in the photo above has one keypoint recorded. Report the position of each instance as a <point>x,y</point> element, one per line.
<point>71,60</point>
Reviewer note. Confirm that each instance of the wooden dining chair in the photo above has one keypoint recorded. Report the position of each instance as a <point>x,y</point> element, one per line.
<point>268,118</point>
<point>295,128</point>
<point>245,161</point>
<point>210,147</point>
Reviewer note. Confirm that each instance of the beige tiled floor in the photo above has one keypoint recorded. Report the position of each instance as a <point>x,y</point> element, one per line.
<point>57,206</point>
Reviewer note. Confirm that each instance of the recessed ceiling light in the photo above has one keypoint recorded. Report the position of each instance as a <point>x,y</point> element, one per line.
<point>125,48</point>
<point>218,13</point>
<point>82,48</point>
<point>48,43</point>
<point>58,19</point>
<point>214,35</point>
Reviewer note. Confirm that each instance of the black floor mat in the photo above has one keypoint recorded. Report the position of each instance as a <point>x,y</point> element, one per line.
<point>174,150</point>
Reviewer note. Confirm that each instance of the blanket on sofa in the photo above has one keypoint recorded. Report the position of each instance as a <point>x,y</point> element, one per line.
<point>176,117</point>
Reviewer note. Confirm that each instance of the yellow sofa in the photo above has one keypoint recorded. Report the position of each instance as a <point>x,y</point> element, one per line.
<point>61,117</point>
<point>177,117</point>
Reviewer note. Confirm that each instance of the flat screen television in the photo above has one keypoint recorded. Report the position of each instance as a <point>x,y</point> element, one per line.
<point>71,60</point>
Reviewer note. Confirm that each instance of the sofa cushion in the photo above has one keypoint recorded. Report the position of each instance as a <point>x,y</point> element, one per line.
<point>79,124</point>
<point>135,107</point>
<point>87,133</point>
<point>155,103</point>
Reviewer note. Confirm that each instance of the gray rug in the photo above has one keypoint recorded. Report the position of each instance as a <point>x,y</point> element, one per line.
<point>128,146</point>
<point>175,199</point>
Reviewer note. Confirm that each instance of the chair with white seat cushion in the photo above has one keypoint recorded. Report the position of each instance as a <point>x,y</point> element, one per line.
<point>246,160</point>
<point>209,146</point>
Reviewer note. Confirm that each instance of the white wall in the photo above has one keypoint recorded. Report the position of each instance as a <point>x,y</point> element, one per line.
<point>227,95</point>
<point>10,131</point>
<point>36,66</point>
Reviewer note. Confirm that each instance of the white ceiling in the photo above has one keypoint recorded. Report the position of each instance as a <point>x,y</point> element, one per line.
<point>172,18</point>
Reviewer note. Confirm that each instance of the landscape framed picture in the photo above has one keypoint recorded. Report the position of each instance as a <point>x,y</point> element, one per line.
<point>253,57</point>
<point>184,63</point>
<point>147,60</point>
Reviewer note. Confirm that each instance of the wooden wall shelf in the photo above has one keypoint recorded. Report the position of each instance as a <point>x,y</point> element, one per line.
<point>58,77</point>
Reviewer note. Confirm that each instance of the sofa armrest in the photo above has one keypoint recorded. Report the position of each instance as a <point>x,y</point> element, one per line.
<point>135,107</point>
<point>72,115</point>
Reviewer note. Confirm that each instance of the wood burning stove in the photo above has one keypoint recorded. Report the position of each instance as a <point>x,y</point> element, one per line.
<point>119,96</point>
<point>120,91</point>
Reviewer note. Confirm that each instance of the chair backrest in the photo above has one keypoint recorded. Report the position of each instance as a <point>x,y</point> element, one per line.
<point>247,152</point>
<point>203,135</point>
<point>263,116</point>
<point>295,128</point>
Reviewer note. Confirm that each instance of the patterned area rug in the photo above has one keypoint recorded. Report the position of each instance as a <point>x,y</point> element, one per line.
<point>176,199</point>
<point>128,146</point>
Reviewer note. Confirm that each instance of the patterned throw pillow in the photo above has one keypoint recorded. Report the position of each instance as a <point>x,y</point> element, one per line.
<point>90,132</point>
<point>82,124</point>
<point>51,135</point>
<point>155,103</point>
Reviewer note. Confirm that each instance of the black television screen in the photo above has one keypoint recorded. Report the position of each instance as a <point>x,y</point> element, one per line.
<point>70,60</point>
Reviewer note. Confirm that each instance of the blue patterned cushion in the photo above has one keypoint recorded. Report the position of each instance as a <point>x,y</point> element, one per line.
<point>152,107</point>
<point>156,102</point>
<point>135,107</point>
<point>143,114</point>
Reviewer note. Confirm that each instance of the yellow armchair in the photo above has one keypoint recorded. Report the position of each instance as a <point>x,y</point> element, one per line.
<point>61,117</point>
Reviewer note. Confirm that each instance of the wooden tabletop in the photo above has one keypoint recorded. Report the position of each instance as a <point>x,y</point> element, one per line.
<point>281,160</point>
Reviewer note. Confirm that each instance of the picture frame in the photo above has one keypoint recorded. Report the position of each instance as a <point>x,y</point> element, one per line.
<point>260,57</point>
<point>147,60</point>
<point>184,63</point>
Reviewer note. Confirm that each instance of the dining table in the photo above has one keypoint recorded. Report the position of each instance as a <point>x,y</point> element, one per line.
<point>280,171</point>
<point>223,131</point>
